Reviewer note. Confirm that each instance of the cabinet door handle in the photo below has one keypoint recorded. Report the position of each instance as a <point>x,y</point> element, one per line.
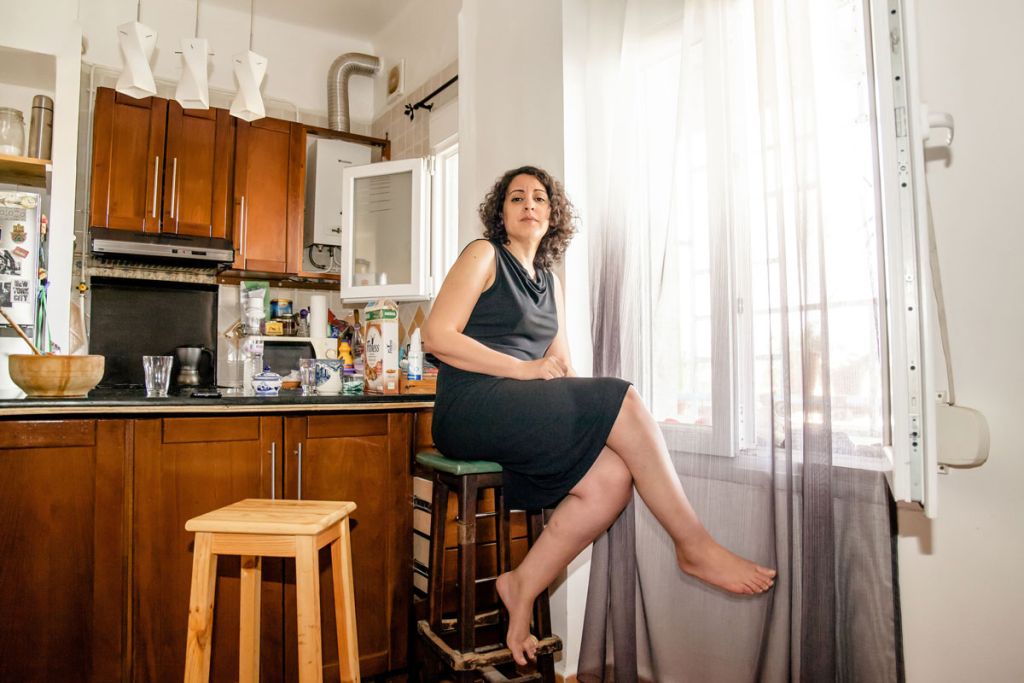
<point>156,178</point>
<point>243,216</point>
<point>273,470</point>
<point>300,470</point>
<point>174,184</point>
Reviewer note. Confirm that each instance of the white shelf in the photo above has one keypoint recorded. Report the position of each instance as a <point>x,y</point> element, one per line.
<point>283,338</point>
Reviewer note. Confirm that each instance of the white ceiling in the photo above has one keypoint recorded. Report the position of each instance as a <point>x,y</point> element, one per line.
<point>363,18</point>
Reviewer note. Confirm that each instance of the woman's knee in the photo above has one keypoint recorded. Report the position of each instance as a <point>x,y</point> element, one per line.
<point>633,403</point>
<point>608,479</point>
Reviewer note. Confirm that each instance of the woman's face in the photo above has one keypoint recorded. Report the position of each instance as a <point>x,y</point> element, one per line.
<point>527,208</point>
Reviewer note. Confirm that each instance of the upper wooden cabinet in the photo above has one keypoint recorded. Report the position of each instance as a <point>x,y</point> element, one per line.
<point>127,162</point>
<point>270,167</point>
<point>159,168</point>
<point>198,159</point>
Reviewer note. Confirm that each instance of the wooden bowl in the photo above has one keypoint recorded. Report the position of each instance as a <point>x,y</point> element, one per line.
<point>55,376</point>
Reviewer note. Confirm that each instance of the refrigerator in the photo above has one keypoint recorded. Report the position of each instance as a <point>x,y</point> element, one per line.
<point>19,278</point>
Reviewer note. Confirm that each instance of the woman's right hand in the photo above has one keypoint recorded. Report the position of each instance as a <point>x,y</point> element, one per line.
<point>549,367</point>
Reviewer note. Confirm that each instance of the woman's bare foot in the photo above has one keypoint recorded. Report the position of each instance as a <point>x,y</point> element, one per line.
<point>518,638</point>
<point>710,562</point>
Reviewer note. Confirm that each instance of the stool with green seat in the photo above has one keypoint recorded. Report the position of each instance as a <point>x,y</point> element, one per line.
<point>461,655</point>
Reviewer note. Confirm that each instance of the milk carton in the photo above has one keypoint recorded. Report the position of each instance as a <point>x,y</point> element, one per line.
<point>381,347</point>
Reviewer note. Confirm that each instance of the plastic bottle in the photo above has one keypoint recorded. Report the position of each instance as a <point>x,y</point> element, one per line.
<point>415,357</point>
<point>252,343</point>
<point>357,344</point>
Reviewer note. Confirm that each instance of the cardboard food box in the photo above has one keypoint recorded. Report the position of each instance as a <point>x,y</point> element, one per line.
<point>380,347</point>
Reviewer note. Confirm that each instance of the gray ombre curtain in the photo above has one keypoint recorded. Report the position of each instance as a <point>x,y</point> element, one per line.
<point>731,171</point>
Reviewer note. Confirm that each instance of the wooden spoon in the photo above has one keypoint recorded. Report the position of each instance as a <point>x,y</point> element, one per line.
<point>21,333</point>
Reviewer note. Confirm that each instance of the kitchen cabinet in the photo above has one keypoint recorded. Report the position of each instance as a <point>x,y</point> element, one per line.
<point>63,541</point>
<point>159,168</point>
<point>185,467</point>
<point>270,167</point>
<point>190,465</point>
<point>363,458</point>
<point>385,231</point>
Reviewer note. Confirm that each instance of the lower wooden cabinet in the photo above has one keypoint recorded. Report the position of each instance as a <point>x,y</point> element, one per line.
<point>62,507</point>
<point>96,570</point>
<point>184,467</point>
<point>187,466</point>
<point>363,458</point>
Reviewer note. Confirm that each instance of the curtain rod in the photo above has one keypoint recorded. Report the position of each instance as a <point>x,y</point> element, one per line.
<point>410,109</point>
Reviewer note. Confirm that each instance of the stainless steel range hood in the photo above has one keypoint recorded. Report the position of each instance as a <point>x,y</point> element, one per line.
<point>125,244</point>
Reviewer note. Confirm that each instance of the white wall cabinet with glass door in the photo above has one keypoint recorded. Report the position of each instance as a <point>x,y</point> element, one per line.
<point>385,231</point>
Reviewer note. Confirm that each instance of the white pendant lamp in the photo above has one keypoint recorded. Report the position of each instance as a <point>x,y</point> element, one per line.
<point>193,90</point>
<point>137,44</point>
<point>250,68</point>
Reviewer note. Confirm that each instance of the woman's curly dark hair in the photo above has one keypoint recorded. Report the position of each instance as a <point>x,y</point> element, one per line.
<point>562,222</point>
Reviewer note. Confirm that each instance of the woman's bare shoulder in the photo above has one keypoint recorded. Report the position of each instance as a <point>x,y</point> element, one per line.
<point>479,249</point>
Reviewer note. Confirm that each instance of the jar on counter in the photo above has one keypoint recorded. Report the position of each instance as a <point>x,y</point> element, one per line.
<point>280,308</point>
<point>12,132</point>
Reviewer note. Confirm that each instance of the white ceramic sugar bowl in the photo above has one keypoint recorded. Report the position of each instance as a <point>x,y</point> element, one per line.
<point>266,384</point>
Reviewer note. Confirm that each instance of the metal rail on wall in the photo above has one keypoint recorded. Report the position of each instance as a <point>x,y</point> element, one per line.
<point>410,109</point>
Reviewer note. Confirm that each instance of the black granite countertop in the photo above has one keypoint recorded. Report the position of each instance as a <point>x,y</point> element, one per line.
<point>134,401</point>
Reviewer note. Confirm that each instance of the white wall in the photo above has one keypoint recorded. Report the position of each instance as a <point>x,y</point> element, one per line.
<point>299,56</point>
<point>48,27</point>
<point>425,34</point>
<point>960,576</point>
<point>510,96</point>
<point>517,106</point>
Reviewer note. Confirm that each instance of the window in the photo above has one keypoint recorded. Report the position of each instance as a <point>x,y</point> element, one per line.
<point>444,199</point>
<point>445,208</point>
<point>726,192</point>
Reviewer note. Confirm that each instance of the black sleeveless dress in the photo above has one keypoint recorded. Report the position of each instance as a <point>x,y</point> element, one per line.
<point>546,434</point>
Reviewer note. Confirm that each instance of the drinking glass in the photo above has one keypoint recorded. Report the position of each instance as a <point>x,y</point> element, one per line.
<point>157,370</point>
<point>307,376</point>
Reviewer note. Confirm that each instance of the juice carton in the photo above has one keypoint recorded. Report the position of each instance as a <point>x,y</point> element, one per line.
<point>380,346</point>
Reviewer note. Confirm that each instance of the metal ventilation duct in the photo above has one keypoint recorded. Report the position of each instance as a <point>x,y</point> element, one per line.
<point>344,67</point>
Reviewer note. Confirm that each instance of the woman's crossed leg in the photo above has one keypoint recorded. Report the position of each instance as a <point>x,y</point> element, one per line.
<point>635,455</point>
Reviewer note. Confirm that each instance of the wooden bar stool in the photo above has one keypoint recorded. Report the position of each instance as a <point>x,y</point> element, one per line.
<point>256,528</point>
<point>466,478</point>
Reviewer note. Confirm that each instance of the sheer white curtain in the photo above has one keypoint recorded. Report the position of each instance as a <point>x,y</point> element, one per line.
<point>735,260</point>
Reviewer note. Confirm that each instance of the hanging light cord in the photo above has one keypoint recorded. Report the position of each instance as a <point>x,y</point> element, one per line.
<point>138,12</point>
<point>252,18</point>
<point>197,19</point>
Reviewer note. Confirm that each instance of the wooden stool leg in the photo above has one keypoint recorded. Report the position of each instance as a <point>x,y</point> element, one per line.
<point>503,548</point>
<point>467,564</point>
<point>435,590</point>
<point>541,609</point>
<point>307,607</point>
<point>345,605</point>
<point>541,606</point>
<point>249,620</point>
<point>200,610</point>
